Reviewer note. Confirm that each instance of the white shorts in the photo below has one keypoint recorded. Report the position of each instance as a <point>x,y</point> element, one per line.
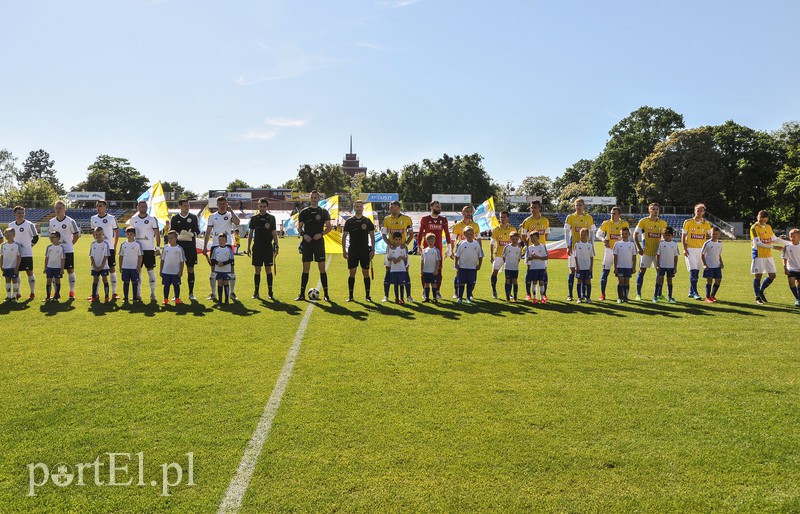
<point>762,265</point>
<point>648,261</point>
<point>608,258</point>
<point>571,262</point>
<point>695,259</point>
<point>497,264</point>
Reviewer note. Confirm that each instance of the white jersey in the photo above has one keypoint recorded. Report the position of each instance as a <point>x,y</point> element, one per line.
<point>791,253</point>
<point>393,253</point>
<point>10,253</point>
<point>222,254</point>
<point>144,230</point>
<point>626,253</point>
<point>129,254</point>
<point>54,256</point>
<point>512,255</point>
<point>713,253</point>
<point>539,250</point>
<point>172,257</point>
<point>97,251</point>
<point>430,259</point>
<point>667,251</point>
<point>469,253</point>
<point>583,253</point>
<point>25,232</point>
<point>109,225</point>
<point>220,224</point>
<point>66,227</point>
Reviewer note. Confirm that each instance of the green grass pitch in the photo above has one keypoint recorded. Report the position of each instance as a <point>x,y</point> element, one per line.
<point>490,406</point>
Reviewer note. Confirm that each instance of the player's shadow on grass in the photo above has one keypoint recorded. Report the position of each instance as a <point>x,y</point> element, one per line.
<point>492,307</point>
<point>101,309</point>
<point>236,308</point>
<point>388,309</point>
<point>52,308</point>
<point>279,306</point>
<point>148,309</point>
<point>7,307</point>
<point>340,310</point>
<point>443,309</point>
<point>194,308</point>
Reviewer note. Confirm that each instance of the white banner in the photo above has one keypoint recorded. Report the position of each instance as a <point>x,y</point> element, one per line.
<point>238,195</point>
<point>465,199</point>
<point>600,200</point>
<point>522,198</point>
<point>82,196</point>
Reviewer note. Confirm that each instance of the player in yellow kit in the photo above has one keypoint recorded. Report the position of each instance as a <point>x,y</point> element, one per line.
<point>501,237</point>
<point>609,233</point>
<point>763,240</point>
<point>572,232</point>
<point>397,222</point>
<point>647,237</point>
<point>535,223</point>
<point>695,232</point>
<point>458,235</point>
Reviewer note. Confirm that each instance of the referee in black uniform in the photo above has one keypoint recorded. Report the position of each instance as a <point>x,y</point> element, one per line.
<point>188,228</point>
<point>313,222</point>
<point>360,231</point>
<point>262,237</point>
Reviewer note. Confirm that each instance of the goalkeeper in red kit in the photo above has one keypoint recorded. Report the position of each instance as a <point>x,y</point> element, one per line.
<point>436,225</point>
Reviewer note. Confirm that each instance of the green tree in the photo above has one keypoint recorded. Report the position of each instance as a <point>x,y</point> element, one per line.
<point>785,190</point>
<point>540,185</point>
<point>387,181</point>
<point>179,190</point>
<point>632,140</point>
<point>116,177</point>
<point>37,192</point>
<point>8,171</point>
<point>237,184</point>
<point>573,183</point>
<point>685,169</point>
<point>415,184</point>
<point>751,160</point>
<point>38,165</point>
<point>265,186</point>
<point>447,175</point>
<point>325,178</point>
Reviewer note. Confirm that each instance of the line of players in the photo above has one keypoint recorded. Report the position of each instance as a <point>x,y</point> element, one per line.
<point>652,240</point>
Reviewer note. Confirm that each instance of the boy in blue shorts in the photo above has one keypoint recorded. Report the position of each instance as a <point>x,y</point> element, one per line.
<point>172,259</point>
<point>98,253</point>
<point>131,257</point>
<point>54,261</point>
<point>584,264</point>
<point>222,260</point>
<point>625,253</point>
<point>791,264</point>
<point>666,264</point>
<point>469,257</point>
<point>428,267</point>
<point>512,254</point>
<point>11,255</point>
<point>536,257</point>
<point>712,265</point>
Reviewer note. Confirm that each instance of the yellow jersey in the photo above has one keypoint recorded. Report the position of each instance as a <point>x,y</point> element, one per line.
<point>502,237</point>
<point>766,235</point>
<point>613,230</point>
<point>652,232</point>
<point>458,231</point>
<point>531,224</point>
<point>576,222</point>
<point>696,232</point>
<point>399,224</point>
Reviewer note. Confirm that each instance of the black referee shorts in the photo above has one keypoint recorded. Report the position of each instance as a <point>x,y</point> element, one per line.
<point>313,251</point>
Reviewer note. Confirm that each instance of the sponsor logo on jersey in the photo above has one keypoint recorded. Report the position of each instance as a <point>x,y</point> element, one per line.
<point>654,235</point>
<point>698,236</point>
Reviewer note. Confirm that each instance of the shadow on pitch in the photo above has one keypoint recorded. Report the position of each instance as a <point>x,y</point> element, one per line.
<point>7,307</point>
<point>341,310</point>
<point>279,306</point>
<point>236,308</point>
<point>390,309</point>
<point>101,308</point>
<point>148,309</point>
<point>52,308</point>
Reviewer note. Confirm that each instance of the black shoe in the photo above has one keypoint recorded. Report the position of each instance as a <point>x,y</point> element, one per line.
<point>300,298</point>
<point>368,299</point>
<point>763,298</point>
<point>255,296</point>
<point>327,298</point>
<point>349,299</point>
<point>270,296</point>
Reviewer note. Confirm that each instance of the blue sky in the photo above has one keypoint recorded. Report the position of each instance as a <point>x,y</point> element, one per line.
<point>205,92</point>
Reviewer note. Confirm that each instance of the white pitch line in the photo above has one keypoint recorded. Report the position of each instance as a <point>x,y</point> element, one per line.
<point>241,480</point>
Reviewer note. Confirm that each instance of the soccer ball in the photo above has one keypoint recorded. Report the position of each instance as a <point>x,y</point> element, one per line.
<point>313,293</point>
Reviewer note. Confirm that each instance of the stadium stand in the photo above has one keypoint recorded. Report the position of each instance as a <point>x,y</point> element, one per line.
<point>34,215</point>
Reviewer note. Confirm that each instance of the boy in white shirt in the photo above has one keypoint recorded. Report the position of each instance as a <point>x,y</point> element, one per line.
<point>469,257</point>
<point>131,258</point>
<point>172,259</point>
<point>536,257</point>
<point>98,253</point>
<point>512,254</point>
<point>222,259</point>
<point>54,262</point>
<point>791,264</point>
<point>666,264</point>
<point>429,265</point>
<point>625,253</point>
<point>397,259</point>
<point>583,252</point>
<point>711,255</point>
<point>11,253</point>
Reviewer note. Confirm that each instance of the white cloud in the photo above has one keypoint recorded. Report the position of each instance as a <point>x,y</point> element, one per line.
<point>284,61</point>
<point>371,46</point>
<point>286,122</point>
<point>257,135</point>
